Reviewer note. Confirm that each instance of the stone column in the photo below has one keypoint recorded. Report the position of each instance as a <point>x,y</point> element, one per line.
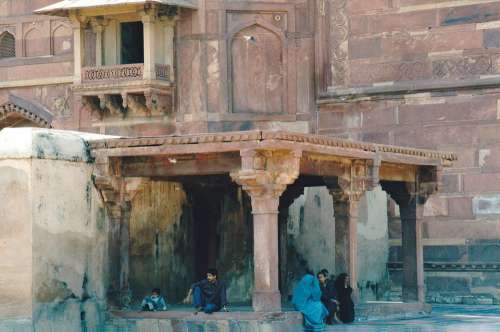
<point>168,29</point>
<point>346,191</point>
<point>345,209</point>
<point>264,176</point>
<point>77,49</point>
<point>410,204</point>
<point>98,29</point>
<point>117,194</point>
<point>119,251</point>
<point>412,249</point>
<point>148,21</point>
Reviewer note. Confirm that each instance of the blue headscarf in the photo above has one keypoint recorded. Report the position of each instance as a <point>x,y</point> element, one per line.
<point>307,300</point>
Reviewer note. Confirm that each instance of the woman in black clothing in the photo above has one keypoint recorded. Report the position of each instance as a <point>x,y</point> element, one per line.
<point>344,291</point>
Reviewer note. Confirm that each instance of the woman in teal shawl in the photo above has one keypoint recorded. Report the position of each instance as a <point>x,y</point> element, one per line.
<point>307,300</point>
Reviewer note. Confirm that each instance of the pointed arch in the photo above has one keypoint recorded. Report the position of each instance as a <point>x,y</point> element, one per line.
<point>7,45</point>
<point>27,113</point>
<point>61,39</point>
<point>257,68</point>
<point>34,44</point>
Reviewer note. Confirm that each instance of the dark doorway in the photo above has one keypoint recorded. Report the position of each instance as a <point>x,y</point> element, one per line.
<point>132,43</point>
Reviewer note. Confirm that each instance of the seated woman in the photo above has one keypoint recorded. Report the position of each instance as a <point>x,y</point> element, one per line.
<point>344,291</point>
<point>154,302</point>
<point>307,300</point>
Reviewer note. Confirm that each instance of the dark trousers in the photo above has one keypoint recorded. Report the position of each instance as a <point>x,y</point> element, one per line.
<point>199,301</point>
<point>332,309</point>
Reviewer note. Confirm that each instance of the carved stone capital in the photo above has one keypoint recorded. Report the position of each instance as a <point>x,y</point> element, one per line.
<point>427,182</point>
<point>264,175</point>
<point>352,184</point>
<point>116,192</point>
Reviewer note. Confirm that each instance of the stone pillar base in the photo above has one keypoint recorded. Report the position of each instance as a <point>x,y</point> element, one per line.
<point>266,301</point>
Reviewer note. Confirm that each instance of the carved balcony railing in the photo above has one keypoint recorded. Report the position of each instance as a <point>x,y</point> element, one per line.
<point>122,72</point>
<point>112,73</point>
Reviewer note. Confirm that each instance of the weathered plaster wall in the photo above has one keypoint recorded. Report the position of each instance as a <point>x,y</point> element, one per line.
<point>161,241</point>
<point>59,273</point>
<point>178,231</point>
<point>15,239</point>
<point>311,230</point>
<point>373,246</point>
<point>235,234</point>
<point>311,239</point>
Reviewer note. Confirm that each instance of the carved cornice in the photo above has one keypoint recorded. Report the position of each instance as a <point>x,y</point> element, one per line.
<point>28,110</point>
<point>259,136</point>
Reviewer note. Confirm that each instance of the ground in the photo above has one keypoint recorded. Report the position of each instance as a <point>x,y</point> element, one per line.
<point>443,318</point>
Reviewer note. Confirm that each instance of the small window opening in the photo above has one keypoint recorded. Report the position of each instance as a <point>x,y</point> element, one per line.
<point>132,43</point>
<point>7,45</point>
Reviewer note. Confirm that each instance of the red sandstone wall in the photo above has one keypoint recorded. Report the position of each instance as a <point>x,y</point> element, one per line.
<point>44,59</point>
<point>420,65</point>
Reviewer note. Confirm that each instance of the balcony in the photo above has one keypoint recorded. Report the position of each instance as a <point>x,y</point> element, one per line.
<point>125,90</point>
<point>123,56</point>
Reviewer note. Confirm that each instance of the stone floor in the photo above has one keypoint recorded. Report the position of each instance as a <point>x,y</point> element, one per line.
<point>443,318</point>
<point>446,318</point>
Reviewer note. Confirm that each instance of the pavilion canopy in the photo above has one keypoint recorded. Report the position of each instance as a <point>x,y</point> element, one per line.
<point>62,7</point>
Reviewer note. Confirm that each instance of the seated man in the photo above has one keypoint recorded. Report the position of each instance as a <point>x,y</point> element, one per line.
<point>209,295</point>
<point>154,302</point>
<point>328,294</point>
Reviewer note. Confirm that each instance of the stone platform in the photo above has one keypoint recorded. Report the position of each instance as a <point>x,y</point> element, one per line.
<point>186,320</point>
<point>376,310</point>
<point>242,318</point>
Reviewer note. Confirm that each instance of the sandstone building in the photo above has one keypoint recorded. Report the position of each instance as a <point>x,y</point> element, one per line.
<point>421,74</point>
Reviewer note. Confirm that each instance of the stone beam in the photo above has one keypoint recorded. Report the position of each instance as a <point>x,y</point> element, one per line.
<point>182,165</point>
<point>322,166</point>
<point>264,175</point>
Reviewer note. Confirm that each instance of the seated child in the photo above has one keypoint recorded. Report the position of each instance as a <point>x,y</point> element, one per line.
<point>154,302</point>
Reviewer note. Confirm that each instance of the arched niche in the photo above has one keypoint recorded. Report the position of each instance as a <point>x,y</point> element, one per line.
<point>257,69</point>
<point>7,45</point>
<point>61,39</point>
<point>35,44</point>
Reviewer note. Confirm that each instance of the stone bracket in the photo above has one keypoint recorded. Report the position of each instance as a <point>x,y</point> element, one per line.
<point>266,173</point>
<point>358,177</point>
<point>428,181</point>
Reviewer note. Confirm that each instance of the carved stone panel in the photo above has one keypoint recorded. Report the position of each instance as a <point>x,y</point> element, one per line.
<point>257,71</point>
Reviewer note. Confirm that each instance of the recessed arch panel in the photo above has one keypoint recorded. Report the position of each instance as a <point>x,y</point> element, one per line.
<point>257,70</point>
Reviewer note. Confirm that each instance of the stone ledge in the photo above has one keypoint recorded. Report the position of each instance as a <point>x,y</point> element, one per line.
<point>399,89</point>
<point>39,143</point>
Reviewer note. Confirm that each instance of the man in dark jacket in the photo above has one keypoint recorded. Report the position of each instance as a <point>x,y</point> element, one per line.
<point>328,294</point>
<point>209,295</point>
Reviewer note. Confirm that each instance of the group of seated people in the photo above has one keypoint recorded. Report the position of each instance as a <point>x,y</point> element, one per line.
<point>320,299</point>
<point>208,295</point>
